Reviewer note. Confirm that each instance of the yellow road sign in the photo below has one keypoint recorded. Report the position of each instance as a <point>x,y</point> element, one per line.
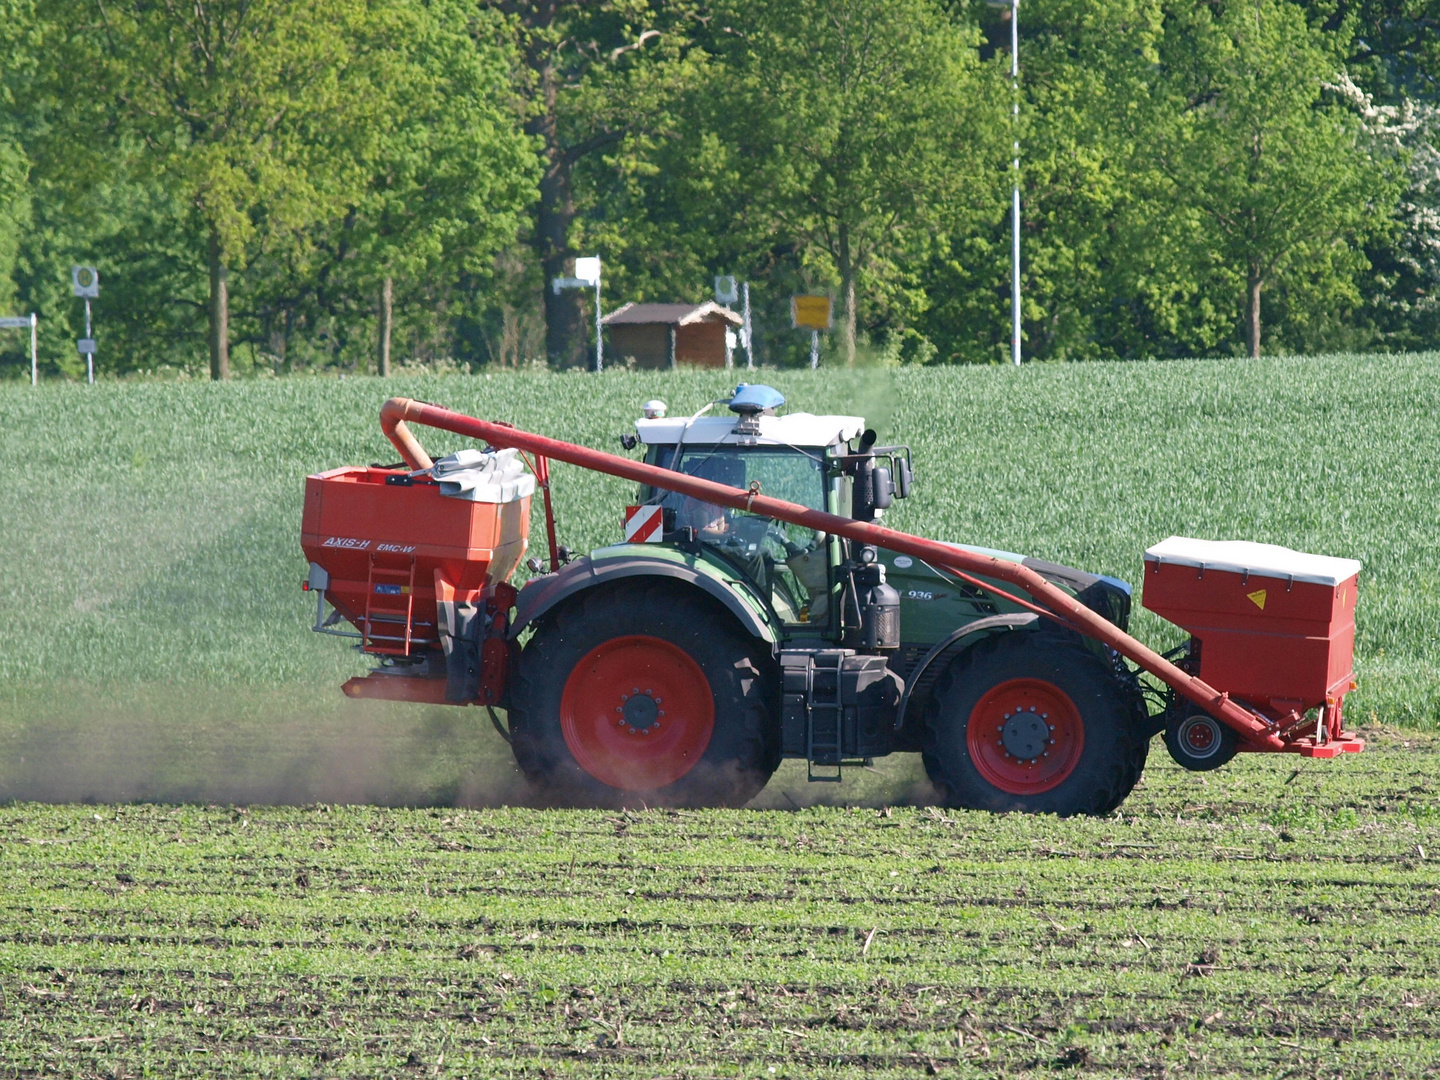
<point>810,312</point>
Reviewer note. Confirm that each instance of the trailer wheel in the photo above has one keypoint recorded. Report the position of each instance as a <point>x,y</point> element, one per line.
<point>1033,722</point>
<point>1199,742</point>
<point>644,693</point>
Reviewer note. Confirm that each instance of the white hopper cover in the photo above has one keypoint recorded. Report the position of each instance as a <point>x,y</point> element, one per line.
<point>495,476</point>
<point>1257,560</point>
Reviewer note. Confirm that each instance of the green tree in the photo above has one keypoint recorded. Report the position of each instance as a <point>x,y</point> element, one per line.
<point>1393,46</point>
<point>14,163</point>
<point>865,125</point>
<point>14,215</point>
<point>255,113</point>
<point>591,74</point>
<point>1267,179</point>
<point>451,172</point>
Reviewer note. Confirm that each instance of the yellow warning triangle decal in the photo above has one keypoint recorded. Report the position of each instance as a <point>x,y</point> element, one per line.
<point>1258,597</point>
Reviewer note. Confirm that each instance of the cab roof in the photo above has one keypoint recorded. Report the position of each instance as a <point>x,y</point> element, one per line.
<point>793,429</point>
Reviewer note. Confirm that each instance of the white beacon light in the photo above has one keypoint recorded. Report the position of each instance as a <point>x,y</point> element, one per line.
<point>654,409</point>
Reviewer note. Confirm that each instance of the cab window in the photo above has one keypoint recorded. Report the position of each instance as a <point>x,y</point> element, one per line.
<point>788,562</point>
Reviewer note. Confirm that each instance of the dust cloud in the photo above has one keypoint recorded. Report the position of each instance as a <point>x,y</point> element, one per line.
<point>218,745</point>
<point>897,780</point>
<point>872,393</point>
<point>249,747</point>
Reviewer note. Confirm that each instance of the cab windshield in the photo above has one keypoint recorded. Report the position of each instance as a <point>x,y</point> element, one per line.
<point>787,561</point>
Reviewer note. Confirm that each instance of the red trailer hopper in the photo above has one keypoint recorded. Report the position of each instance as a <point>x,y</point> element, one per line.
<point>1275,627</point>
<point>411,559</point>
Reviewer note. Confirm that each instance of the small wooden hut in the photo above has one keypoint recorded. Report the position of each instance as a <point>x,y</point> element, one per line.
<point>668,335</point>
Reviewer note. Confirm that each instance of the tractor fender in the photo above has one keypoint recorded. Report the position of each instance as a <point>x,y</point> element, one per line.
<point>541,595</point>
<point>951,646</point>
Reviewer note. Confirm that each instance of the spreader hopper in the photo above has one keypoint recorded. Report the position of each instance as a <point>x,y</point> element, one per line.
<point>1272,628</point>
<point>409,558</point>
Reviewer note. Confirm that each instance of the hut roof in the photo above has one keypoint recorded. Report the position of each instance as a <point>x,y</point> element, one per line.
<point>670,314</point>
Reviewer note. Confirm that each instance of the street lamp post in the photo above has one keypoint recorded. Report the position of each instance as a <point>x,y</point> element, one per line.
<point>1013,6</point>
<point>1015,176</point>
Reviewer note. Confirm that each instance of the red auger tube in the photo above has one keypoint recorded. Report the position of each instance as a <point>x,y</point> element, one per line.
<point>1255,729</point>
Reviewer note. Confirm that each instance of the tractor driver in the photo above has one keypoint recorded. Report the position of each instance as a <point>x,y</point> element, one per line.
<point>798,583</point>
<point>711,521</point>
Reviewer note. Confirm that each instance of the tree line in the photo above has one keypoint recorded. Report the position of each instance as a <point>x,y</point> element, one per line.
<point>277,185</point>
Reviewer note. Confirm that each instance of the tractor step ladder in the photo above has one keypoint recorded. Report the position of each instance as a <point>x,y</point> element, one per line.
<point>389,609</point>
<point>822,732</point>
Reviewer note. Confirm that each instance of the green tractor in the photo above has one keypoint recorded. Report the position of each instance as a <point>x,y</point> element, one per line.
<point>681,667</point>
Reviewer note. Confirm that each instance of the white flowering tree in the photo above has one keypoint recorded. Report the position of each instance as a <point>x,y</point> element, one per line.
<point>1410,131</point>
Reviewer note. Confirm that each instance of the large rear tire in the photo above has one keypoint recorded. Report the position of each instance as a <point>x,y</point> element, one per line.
<point>1034,722</point>
<point>645,693</point>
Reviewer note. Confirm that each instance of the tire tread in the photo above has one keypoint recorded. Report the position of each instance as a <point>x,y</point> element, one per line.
<point>1119,770</point>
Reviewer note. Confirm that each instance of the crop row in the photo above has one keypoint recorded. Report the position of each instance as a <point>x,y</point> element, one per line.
<point>1280,915</point>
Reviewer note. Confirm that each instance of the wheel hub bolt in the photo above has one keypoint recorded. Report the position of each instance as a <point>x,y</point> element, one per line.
<point>640,713</point>
<point>1024,735</point>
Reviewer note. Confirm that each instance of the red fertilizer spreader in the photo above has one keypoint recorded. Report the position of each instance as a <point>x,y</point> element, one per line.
<point>741,628</point>
<point>417,563</point>
<point>1274,627</point>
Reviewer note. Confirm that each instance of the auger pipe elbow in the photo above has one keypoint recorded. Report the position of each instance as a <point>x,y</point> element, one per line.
<point>393,415</point>
<point>1254,729</point>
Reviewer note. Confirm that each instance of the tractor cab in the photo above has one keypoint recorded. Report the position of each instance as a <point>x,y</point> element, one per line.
<point>824,463</point>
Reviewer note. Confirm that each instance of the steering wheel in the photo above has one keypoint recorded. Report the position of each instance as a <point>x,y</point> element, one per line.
<point>750,531</point>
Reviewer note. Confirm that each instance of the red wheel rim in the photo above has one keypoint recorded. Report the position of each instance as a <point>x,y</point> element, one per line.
<point>1200,735</point>
<point>1025,736</point>
<point>637,713</point>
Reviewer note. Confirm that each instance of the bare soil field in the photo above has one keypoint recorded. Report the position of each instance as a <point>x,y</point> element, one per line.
<point>1277,918</point>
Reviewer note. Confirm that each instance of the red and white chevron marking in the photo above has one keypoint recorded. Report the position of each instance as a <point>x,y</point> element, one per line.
<point>643,524</point>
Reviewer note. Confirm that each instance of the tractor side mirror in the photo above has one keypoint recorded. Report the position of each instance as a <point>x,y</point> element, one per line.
<point>903,478</point>
<point>882,488</point>
<point>874,489</point>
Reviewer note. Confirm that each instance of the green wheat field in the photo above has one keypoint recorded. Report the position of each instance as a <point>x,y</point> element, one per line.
<point>191,884</point>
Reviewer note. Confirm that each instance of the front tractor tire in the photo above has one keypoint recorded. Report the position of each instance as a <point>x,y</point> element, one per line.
<point>645,693</point>
<point>1034,722</point>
